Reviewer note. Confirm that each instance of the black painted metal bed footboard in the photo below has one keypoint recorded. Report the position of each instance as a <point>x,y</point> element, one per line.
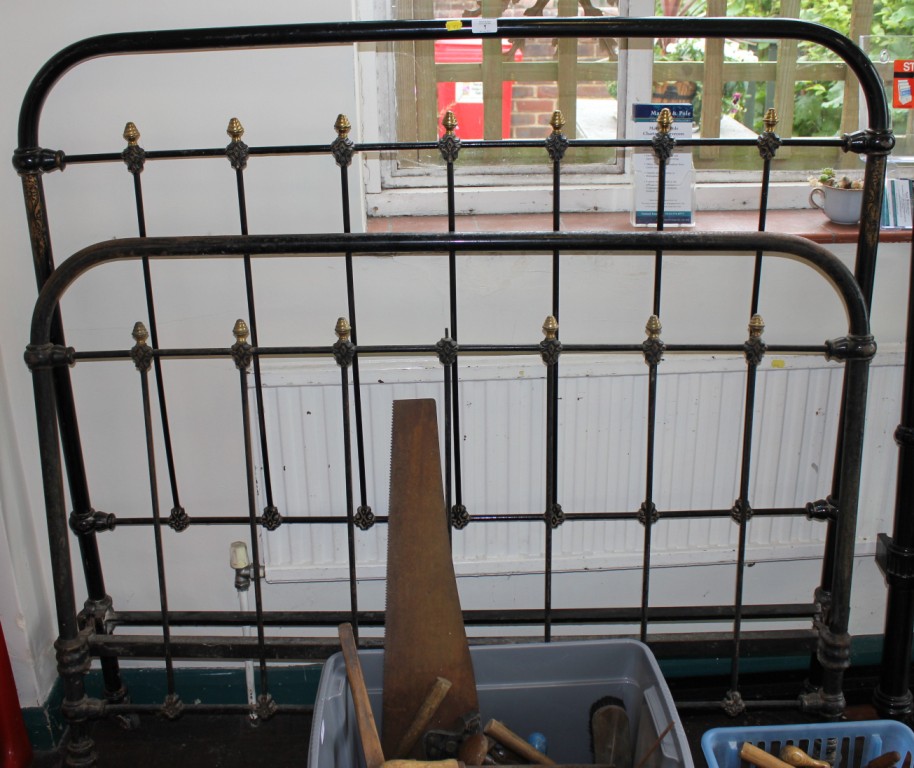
<point>98,628</point>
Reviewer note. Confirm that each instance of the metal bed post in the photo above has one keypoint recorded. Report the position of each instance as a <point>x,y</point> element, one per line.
<point>895,553</point>
<point>31,162</point>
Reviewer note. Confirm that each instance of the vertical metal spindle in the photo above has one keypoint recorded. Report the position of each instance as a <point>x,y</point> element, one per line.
<point>449,147</point>
<point>556,144</point>
<point>652,348</point>
<point>142,355</point>
<point>342,149</point>
<point>663,145</point>
<point>754,349</point>
<point>237,153</point>
<point>768,144</point>
<point>550,350</point>
<point>344,353</point>
<point>243,354</point>
<point>134,157</point>
<point>447,349</point>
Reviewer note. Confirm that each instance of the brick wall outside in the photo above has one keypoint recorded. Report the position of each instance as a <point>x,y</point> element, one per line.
<point>532,104</point>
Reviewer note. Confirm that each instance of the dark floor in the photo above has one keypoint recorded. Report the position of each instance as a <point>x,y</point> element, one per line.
<point>230,741</point>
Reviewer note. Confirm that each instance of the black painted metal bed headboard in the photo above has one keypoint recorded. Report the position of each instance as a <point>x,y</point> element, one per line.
<point>90,631</point>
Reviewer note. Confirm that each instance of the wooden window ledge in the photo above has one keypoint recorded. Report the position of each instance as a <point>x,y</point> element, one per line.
<point>808,223</point>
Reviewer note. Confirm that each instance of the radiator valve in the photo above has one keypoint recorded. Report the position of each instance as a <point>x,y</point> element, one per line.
<point>241,564</point>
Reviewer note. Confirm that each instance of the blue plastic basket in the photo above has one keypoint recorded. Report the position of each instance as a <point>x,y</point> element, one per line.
<point>856,743</point>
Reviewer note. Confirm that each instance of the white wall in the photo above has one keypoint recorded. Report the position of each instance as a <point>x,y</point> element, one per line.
<point>281,97</point>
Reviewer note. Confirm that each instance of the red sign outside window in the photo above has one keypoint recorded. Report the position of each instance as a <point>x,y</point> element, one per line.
<point>903,86</point>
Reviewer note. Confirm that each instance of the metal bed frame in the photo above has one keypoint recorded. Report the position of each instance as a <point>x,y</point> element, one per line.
<point>89,632</point>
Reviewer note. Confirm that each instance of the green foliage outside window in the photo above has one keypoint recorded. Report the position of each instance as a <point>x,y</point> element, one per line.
<point>817,105</point>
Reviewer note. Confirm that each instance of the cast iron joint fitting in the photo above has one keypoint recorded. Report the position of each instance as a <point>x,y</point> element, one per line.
<point>869,142</point>
<point>84,709</point>
<point>38,356</point>
<point>822,510</point>
<point>90,521</point>
<point>850,347</point>
<point>37,160</point>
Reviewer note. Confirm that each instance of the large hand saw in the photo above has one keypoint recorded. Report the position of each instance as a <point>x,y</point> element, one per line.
<point>424,636</point>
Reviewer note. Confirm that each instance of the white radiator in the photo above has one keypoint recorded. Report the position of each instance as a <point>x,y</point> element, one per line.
<point>602,449</point>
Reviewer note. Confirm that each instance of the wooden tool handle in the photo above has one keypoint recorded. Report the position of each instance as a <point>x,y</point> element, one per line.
<point>423,717</point>
<point>505,736</point>
<point>756,756</point>
<point>368,731</point>
<point>884,761</point>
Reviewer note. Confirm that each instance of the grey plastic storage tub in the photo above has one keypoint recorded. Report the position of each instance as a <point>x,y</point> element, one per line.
<point>545,687</point>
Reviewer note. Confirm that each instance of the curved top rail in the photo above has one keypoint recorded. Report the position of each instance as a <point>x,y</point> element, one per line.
<point>238,246</point>
<point>276,36</point>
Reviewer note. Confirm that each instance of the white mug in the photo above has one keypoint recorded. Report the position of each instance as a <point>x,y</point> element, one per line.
<point>842,206</point>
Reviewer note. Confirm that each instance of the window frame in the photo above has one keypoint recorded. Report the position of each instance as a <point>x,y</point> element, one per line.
<point>393,191</point>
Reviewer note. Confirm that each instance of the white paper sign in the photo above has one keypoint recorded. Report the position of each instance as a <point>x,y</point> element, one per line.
<point>678,209</point>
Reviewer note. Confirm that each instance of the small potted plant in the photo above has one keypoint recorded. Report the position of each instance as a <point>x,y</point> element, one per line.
<point>838,197</point>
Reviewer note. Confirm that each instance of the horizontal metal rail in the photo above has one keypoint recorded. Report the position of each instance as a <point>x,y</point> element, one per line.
<point>239,246</point>
<point>283,36</point>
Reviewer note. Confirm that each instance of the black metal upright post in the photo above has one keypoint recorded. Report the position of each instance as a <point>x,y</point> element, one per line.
<point>895,553</point>
<point>72,645</point>
<point>31,162</point>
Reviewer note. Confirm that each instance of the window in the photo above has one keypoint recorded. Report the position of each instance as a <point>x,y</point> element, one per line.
<point>510,88</point>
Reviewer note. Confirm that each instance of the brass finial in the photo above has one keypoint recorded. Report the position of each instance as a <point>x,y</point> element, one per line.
<point>653,327</point>
<point>241,331</point>
<point>558,121</point>
<point>756,327</point>
<point>664,120</point>
<point>342,126</point>
<point>550,328</point>
<point>449,122</point>
<point>235,129</point>
<point>771,119</point>
<point>131,134</point>
<point>140,334</point>
<point>343,329</point>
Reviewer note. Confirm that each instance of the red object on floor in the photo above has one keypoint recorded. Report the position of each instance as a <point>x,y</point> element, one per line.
<point>15,747</point>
